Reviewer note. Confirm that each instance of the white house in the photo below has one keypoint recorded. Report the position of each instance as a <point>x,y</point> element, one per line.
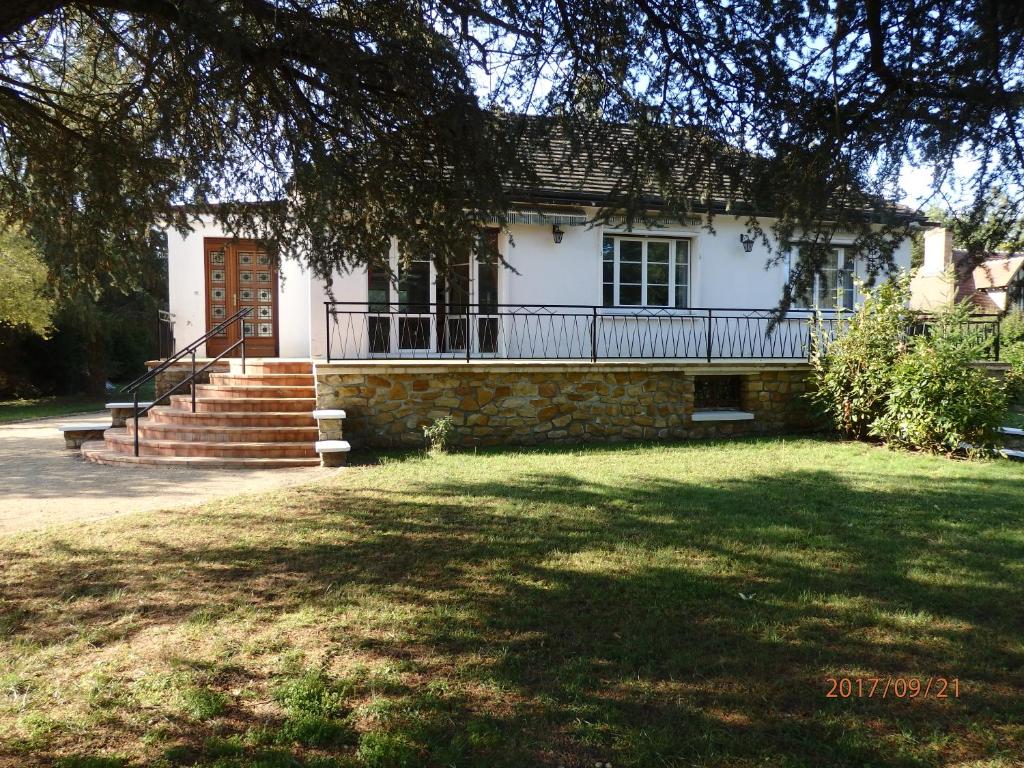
<point>657,283</point>
<point>588,332</point>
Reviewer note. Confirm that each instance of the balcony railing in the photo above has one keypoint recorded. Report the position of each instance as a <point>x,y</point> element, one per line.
<point>363,331</point>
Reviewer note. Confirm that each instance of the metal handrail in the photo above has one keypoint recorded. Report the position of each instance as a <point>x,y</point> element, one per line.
<point>133,387</point>
<point>579,331</point>
<point>630,307</point>
<point>190,348</point>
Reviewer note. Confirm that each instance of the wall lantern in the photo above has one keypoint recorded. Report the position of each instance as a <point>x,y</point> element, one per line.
<point>557,233</point>
<point>748,243</point>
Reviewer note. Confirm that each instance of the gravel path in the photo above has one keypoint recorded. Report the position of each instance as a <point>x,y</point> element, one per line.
<point>42,483</point>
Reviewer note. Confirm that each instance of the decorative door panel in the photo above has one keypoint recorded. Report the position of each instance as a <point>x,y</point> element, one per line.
<point>241,274</point>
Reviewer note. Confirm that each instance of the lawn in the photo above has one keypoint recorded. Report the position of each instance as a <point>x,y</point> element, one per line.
<point>21,409</point>
<point>636,606</point>
<point>43,407</point>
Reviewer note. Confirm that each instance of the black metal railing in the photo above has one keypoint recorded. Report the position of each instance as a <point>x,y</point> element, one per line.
<point>982,332</point>
<point>133,387</point>
<point>361,331</point>
<point>164,334</point>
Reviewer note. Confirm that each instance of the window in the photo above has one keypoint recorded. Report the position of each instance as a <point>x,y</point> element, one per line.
<point>832,287</point>
<point>717,392</point>
<point>377,289</point>
<point>645,272</point>
<point>487,297</point>
<point>1015,293</point>
<point>415,322</point>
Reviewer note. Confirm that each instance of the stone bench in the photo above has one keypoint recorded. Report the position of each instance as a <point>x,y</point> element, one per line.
<point>333,453</point>
<point>76,434</point>
<point>121,412</point>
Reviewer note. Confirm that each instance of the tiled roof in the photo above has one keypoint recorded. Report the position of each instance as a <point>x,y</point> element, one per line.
<point>598,169</point>
<point>995,273</point>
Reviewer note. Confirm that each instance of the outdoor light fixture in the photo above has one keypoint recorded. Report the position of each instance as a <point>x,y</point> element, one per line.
<point>557,233</point>
<point>747,240</point>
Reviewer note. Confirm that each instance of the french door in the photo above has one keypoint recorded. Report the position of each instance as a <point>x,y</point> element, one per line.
<point>240,273</point>
<point>434,311</point>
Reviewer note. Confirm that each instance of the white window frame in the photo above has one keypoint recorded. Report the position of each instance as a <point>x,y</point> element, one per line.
<point>395,349</point>
<point>673,256</point>
<point>843,251</point>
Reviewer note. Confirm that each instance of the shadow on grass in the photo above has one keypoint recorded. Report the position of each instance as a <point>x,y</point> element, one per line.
<point>647,620</point>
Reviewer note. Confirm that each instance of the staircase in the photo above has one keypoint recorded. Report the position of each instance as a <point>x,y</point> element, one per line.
<point>262,418</point>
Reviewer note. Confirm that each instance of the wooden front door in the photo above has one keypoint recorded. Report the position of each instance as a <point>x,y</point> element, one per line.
<point>240,273</point>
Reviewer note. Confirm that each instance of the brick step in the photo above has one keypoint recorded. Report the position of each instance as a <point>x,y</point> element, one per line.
<point>217,390</point>
<point>164,414</point>
<point>120,441</point>
<point>262,365</point>
<point>255,404</point>
<point>98,453</point>
<point>222,434</point>
<point>262,379</point>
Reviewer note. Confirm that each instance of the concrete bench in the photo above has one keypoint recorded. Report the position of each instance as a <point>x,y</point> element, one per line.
<point>333,453</point>
<point>76,434</point>
<point>121,412</point>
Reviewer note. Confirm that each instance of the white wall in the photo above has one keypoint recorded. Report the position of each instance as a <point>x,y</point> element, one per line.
<point>187,292</point>
<point>723,275</point>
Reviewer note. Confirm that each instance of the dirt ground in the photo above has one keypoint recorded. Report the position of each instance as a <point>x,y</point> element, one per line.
<point>43,484</point>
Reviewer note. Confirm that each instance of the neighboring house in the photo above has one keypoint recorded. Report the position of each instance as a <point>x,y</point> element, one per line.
<point>592,332</point>
<point>947,276</point>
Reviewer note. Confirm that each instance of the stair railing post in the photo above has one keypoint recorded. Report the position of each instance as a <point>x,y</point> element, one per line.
<point>327,323</point>
<point>135,418</point>
<point>193,387</point>
<point>709,336</point>
<point>242,321</point>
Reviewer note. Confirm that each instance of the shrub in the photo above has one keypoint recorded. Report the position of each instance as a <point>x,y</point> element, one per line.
<point>852,374</point>
<point>439,433</point>
<point>1012,352</point>
<point>1014,355</point>
<point>938,401</point>
<point>876,379</point>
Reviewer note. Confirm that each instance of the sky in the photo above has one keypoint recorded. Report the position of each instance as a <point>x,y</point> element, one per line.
<point>916,182</point>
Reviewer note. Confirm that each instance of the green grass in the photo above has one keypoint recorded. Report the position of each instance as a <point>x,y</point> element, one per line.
<point>22,409</point>
<point>638,606</point>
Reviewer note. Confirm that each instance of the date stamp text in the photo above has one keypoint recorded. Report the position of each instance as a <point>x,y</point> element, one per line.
<point>892,687</point>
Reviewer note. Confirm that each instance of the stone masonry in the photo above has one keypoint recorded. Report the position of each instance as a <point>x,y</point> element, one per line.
<point>527,403</point>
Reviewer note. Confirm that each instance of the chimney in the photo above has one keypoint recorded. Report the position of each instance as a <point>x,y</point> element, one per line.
<point>938,251</point>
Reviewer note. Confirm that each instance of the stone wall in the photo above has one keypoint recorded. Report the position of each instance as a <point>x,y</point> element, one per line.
<point>165,380</point>
<point>387,404</point>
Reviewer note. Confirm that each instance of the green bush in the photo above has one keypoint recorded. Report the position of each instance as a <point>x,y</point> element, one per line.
<point>439,433</point>
<point>920,391</point>
<point>852,374</point>
<point>1012,352</point>
<point>939,401</point>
